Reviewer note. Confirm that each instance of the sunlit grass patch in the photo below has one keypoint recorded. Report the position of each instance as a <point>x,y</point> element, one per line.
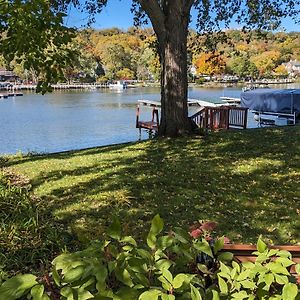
<point>246,181</point>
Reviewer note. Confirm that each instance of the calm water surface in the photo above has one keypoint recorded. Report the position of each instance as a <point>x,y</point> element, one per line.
<point>74,120</point>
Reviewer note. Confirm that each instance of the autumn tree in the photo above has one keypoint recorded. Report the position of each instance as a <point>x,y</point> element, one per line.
<point>125,74</point>
<point>266,62</point>
<point>170,20</point>
<point>281,71</point>
<point>210,64</point>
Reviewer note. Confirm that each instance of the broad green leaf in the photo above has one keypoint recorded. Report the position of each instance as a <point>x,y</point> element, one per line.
<point>144,254</point>
<point>224,268</point>
<point>150,295</point>
<point>37,292</point>
<point>277,268</point>
<point>272,252</point>
<point>281,279</point>
<point>168,275</point>
<point>215,295</point>
<point>107,295</point>
<point>262,257</point>
<point>151,240</point>
<point>67,292</point>
<point>204,247</point>
<point>259,268</point>
<point>129,240</point>
<point>74,274</point>
<point>269,278</point>
<point>55,276</point>
<point>222,285</point>
<point>88,283</point>
<point>247,284</point>
<point>15,287</point>
<point>219,244</point>
<point>179,280</point>
<point>167,297</point>
<point>124,276</point>
<point>284,253</point>
<point>164,242</point>
<point>195,294</point>
<point>101,274</point>
<point>84,295</point>
<point>165,283</point>
<point>114,230</point>
<point>261,246</point>
<point>225,256</point>
<point>285,261</point>
<point>289,291</point>
<point>163,264</point>
<point>236,266</point>
<point>203,268</point>
<point>297,268</point>
<point>157,225</point>
<point>225,275</point>
<point>240,295</point>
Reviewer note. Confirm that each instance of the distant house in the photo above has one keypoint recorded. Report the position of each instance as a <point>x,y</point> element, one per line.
<point>6,75</point>
<point>293,67</point>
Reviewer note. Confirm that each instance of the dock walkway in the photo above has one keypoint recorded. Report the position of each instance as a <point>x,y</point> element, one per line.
<point>212,116</point>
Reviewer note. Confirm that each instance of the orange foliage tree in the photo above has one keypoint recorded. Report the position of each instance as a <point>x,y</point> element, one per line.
<point>210,63</point>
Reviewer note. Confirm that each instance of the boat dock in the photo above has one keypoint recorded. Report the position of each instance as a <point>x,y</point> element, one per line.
<point>191,102</point>
<point>213,116</point>
<point>10,94</point>
<point>231,100</point>
<point>62,86</point>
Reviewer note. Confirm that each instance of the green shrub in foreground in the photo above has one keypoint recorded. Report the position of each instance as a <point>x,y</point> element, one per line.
<point>173,266</point>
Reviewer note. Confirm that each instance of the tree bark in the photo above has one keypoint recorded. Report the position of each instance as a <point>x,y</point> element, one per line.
<point>170,23</point>
<point>174,84</point>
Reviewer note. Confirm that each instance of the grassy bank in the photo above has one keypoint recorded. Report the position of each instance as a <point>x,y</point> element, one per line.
<point>246,181</point>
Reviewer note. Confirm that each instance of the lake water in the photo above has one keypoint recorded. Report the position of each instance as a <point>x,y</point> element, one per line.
<point>69,120</point>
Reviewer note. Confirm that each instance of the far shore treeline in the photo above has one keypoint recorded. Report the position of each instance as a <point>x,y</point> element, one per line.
<point>111,54</point>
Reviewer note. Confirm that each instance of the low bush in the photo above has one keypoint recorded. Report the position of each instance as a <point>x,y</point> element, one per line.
<point>178,265</point>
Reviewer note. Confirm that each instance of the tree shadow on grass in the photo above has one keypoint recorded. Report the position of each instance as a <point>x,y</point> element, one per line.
<point>246,181</point>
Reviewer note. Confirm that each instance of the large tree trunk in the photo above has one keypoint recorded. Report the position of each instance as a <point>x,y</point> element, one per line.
<point>170,21</point>
<point>174,84</point>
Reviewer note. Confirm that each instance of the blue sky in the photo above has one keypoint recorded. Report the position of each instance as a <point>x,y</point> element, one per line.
<point>117,14</point>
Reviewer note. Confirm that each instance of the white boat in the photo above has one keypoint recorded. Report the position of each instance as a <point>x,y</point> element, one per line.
<point>118,85</point>
<point>273,107</point>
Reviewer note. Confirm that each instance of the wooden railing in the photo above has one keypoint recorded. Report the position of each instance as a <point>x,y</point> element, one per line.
<point>223,117</point>
<point>149,125</point>
<point>238,117</point>
<point>244,253</point>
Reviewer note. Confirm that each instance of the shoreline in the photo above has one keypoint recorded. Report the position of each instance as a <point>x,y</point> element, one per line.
<point>7,86</point>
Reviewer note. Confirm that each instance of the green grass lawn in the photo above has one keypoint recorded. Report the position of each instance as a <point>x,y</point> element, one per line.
<point>247,181</point>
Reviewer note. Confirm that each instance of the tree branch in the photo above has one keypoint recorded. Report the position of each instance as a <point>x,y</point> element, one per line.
<point>155,14</point>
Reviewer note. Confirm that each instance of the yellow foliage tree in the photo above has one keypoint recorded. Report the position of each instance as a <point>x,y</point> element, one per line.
<point>281,71</point>
<point>125,74</point>
<point>266,62</point>
<point>210,63</point>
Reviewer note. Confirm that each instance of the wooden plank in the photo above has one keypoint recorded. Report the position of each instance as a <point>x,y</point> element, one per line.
<point>243,253</point>
<point>150,103</point>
